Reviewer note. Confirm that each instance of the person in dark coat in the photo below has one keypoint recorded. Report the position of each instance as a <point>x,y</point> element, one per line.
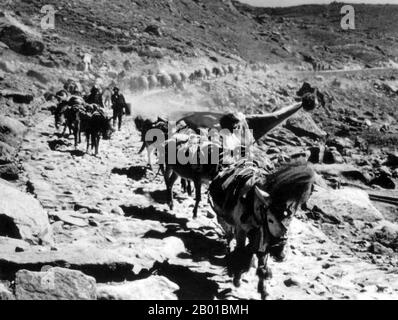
<point>95,96</point>
<point>118,106</point>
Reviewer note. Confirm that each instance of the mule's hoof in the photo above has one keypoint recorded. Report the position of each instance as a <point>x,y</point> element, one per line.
<point>264,295</point>
<point>236,282</point>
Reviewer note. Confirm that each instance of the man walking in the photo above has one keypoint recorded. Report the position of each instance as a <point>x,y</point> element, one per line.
<point>118,106</point>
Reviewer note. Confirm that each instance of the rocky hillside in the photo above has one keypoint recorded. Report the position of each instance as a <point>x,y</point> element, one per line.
<point>75,226</point>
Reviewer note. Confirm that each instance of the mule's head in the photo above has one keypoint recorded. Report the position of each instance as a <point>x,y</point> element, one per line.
<point>139,123</point>
<point>59,118</point>
<point>277,216</point>
<point>277,201</point>
<point>108,129</point>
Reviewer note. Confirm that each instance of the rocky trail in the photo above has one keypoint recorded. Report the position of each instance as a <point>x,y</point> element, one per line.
<point>110,221</point>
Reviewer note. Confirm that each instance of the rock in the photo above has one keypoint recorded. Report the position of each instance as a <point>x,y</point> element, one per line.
<point>69,217</point>
<point>9,172</point>
<point>361,143</point>
<point>377,248</point>
<point>127,65</point>
<point>9,67</point>
<point>38,76</point>
<point>23,110</point>
<point>18,97</point>
<point>101,262</point>
<point>290,282</point>
<point>392,160</point>
<point>161,288</point>
<point>340,143</point>
<point>344,172</point>
<point>48,63</point>
<point>383,180</point>
<point>317,154</point>
<point>5,294</point>
<point>7,153</point>
<point>387,235</point>
<point>332,156</point>
<point>117,210</point>
<point>344,204</point>
<point>154,30</point>
<point>303,125</point>
<point>19,37</point>
<point>22,216</point>
<point>54,284</point>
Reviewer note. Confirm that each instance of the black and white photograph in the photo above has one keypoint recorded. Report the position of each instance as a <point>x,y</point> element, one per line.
<point>217,151</point>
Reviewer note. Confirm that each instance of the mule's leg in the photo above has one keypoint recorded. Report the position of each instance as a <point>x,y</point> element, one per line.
<point>184,185</point>
<point>114,116</point>
<point>263,273</point>
<point>189,188</point>
<point>170,178</point>
<point>240,246</point>
<point>229,236</point>
<point>97,138</point>
<point>88,142</point>
<point>120,116</point>
<point>149,152</point>
<point>198,196</point>
<point>76,136</point>
<point>64,131</point>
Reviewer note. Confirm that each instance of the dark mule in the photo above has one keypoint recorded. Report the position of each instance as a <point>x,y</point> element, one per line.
<point>143,126</point>
<point>255,204</point>
<point>203,155</point>
<point>96,125</point>
<point>192,147</point>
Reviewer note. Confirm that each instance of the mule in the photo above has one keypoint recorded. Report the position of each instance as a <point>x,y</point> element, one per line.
<point>95,126</point>
<point>255,204</point>
<point>203,154</point>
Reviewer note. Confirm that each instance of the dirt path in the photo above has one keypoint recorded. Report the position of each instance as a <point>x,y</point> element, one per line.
<point>110,204</point>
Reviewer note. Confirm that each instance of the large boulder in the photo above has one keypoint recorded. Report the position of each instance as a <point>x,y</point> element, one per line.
<point>54,284</point>
<point>7,153</point>
<point>5,293</point>
<point>342,205</point>
<point>387,235</point>
<point>116,262</point>
<point>19,37</point>
<point>17,97</point>
<point>8,66</point>
<point>22,216</point>
<point>342,172</point>
<point>11,130</point>
<point>341,143</point>
<point>9,171</point>
<point>392,159</point>
<point>161,288</point>
<point>303,125</point>
<point>38,76</point>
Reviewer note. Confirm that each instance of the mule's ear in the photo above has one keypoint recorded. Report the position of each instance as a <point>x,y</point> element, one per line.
<point>262,195</point>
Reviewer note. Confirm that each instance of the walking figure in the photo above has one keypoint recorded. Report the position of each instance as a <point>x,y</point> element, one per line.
<point>118,106</point>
